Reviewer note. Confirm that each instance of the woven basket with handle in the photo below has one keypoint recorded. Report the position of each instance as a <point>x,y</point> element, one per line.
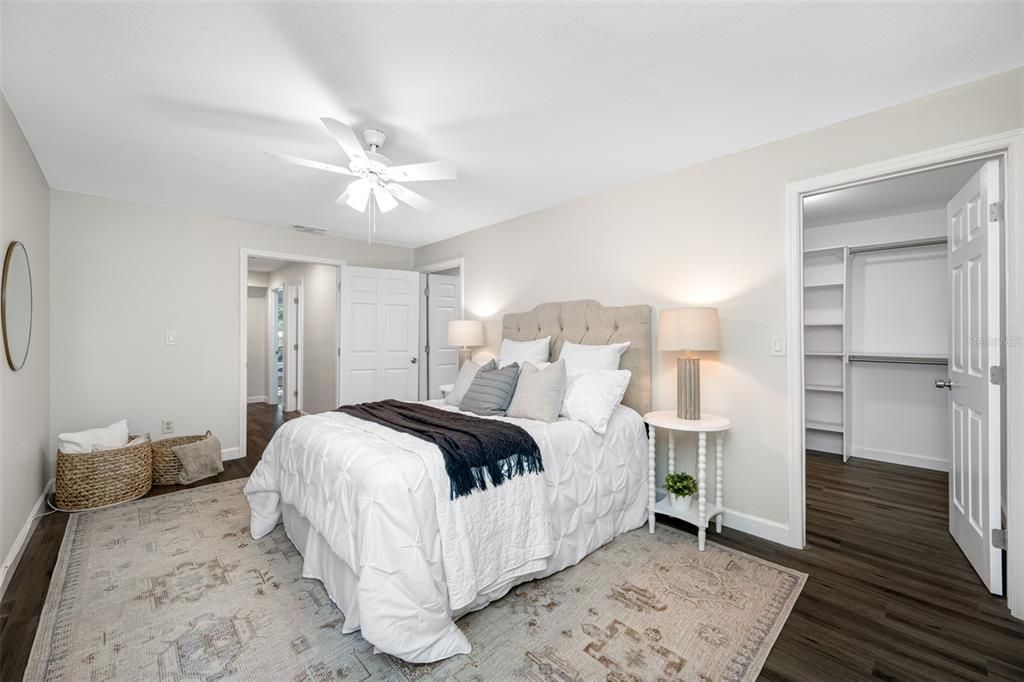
<point>97,479</point>
<point>166,465</point>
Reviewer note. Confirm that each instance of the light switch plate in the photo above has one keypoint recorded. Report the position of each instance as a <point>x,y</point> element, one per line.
<point>777,345</point>
<point>170,337</point>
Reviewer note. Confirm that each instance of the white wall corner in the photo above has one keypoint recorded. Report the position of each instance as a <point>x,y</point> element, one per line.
<point>22,539</point>
<point>230,453</point>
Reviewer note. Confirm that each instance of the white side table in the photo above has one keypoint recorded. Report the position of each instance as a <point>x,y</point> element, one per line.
<point>445,389</point>
<point>703,512</point>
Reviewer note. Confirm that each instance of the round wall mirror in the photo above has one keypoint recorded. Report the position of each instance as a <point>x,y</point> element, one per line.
<point>16,305</point>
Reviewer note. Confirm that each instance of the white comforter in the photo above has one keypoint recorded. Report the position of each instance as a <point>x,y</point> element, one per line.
<point>378,502</point>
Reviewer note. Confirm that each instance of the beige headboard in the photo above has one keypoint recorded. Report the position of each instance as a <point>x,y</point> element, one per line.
<point>592,323</point>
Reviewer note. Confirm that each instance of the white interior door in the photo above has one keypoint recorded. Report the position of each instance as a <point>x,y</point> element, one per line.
<point>974,398</point>
<point>379,335</point>
<point>443,305</point>
<point>292,345</point>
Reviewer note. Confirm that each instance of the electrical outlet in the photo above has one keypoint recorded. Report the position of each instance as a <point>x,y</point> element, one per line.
<point>166,426</point>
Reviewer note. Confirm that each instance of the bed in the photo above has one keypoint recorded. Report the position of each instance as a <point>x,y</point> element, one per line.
<point>363,503</point>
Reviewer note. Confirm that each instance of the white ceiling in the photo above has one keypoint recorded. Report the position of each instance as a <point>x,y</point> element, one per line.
<point>905,194</point>
<point>174,104</point>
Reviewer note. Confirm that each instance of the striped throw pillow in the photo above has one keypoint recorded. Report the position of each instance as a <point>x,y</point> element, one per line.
<point>491,391</point>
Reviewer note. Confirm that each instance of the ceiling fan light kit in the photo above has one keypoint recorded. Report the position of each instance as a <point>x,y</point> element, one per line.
<point>375,177</point>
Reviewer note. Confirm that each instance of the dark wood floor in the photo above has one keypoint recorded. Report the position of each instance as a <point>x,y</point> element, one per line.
<point>889,595</point>
<point>262,421</point>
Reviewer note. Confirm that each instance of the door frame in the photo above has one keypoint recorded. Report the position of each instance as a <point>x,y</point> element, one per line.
<point>299,340</point>
<point>243,272</point>
<point>1009,148</point>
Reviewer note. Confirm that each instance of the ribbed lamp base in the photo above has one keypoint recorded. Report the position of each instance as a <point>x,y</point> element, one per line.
<point>688,388</point>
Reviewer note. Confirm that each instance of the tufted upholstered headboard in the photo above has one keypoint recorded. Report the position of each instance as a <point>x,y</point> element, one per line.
<point>591,323</point>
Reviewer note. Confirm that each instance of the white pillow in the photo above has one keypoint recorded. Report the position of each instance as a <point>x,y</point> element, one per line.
<point>592,395</point>
<point>115,435</point>
<point>524,351</point>
<point>580,356</point>
<point>138,440</point>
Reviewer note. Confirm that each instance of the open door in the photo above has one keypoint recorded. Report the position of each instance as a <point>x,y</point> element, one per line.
<point>443,306</point>
<point>974,384</point>
<point>379,335</point>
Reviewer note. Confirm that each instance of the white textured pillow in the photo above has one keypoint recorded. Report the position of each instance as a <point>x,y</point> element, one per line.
<point>524,351</point>
<point>539,392</point>
<point>579,356</point>
<point>115,435</point>
<point>592,395</point>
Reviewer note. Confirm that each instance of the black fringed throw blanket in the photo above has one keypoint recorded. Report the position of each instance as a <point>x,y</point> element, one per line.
<point>475,450</point>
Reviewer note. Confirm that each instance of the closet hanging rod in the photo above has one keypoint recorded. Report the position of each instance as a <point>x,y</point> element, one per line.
<point>900,359</point>
<point>892,246</point>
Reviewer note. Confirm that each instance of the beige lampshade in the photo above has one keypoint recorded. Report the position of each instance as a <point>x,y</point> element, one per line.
<point>465,333</point>
<point>688,329</point>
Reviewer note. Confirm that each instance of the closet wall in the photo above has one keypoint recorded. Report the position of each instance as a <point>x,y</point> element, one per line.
<point>876,314</point>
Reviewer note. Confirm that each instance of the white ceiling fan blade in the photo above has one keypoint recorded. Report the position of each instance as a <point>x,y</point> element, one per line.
<point>385,202</point>
<point>407,196</point>
<point>308,163</point>
<point>428,170</point>
<point>356,195</point>
<point>346,137</point>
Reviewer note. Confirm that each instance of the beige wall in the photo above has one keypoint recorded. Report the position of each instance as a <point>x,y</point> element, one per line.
<point>24,395</point>
<point>319,384</point>
<point>125,273</point>
<point>712,234</point>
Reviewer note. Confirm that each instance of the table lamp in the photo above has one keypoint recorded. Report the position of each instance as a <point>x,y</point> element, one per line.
<point>465,333</point>
<point>688,330</point>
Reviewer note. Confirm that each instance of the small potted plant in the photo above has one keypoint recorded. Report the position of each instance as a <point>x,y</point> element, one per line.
<point>681,487</point>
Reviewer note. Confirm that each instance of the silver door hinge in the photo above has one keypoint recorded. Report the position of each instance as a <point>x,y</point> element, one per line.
<point>426,292</point>
<point>997,375</point>
<point>999,538</point>
<point>995,212</point>
<point>295,347</point>
<point>296,301</point>
<point>426,349</point>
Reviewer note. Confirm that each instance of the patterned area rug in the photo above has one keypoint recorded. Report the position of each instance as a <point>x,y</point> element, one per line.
<point>174,588</point>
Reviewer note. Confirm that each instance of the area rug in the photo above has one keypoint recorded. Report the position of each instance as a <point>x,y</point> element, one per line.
<point>174,588</point>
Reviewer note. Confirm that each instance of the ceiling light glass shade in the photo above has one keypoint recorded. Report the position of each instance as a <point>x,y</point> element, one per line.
<point>385,202</point>
<point>688,329</point>
<point>358,194</point>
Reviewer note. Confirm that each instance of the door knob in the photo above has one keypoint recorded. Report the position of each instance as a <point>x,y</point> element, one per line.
<point>944,383</point>
<point>412,360</point>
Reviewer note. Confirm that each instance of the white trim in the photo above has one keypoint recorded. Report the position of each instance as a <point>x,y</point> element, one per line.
<point>230,453</point>
<point>1010,147</point>
<point>257,399</point>
<point>903,458</point>
<point>765,529</point>
<point>22,539</point>
<point>243,315</point>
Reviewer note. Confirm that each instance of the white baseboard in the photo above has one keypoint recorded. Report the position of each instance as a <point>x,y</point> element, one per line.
<point>230,453</point>
<point>21,541</point>
<point>904,458</point>
<point>766,529</point>
<point>257,399</point>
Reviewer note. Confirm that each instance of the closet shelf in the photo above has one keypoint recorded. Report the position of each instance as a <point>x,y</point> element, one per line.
<point>823,324</point>
<point>901,358</point>
<point>824,354</point>
<point>824,285</point>
<point>824,388</point>
<point>823,426</point>
<point>825,251</point>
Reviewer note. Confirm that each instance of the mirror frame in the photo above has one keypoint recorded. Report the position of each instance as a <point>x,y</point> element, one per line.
<point>11,248</point>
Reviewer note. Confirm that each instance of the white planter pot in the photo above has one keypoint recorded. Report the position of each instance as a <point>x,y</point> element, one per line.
<point>679,503</point>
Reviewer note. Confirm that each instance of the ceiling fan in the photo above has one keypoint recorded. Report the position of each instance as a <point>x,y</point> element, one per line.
<point>376,186</point>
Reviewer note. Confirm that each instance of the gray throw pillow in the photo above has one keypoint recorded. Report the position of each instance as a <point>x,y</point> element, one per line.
<point>539,392</point>
<point>491,391</point>
<point>464,379</point>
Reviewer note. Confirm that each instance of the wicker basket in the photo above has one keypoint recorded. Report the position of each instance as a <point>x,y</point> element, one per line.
<point>166,465</point>
<point>98,479</point>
